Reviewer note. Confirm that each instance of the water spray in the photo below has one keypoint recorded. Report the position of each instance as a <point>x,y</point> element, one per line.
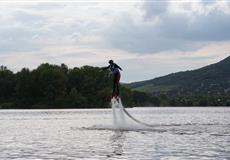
<point>116,103</point>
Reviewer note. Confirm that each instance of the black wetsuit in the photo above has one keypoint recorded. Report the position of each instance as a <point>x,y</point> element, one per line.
<point>114,68</point>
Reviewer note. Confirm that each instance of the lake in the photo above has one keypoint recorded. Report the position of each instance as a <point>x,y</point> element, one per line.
<point>176,133</point>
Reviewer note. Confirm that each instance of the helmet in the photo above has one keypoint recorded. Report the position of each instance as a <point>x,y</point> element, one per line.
<point>110,61</point>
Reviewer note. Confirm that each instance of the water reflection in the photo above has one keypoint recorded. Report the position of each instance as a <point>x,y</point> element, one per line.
<point>117,144</point>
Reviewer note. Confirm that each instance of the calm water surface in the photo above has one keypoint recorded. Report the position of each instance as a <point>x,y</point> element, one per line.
<point>179,133</point>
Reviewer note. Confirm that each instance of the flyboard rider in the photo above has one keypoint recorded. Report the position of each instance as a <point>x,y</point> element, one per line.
<point>114,68</point>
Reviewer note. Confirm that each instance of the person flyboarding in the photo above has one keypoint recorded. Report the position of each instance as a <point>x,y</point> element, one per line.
<point>114,68</point>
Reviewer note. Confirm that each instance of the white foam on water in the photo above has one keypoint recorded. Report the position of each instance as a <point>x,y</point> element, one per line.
<point>119,121</point>
<point>132,127</point>
<point>118,113</point>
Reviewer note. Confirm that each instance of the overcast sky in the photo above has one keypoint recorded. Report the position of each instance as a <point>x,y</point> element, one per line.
<point>146,38</point>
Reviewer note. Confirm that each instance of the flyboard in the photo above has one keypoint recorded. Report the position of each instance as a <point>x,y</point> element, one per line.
<point>119,111</point>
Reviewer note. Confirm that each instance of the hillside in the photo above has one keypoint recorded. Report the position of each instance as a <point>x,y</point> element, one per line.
<point>213,79</point>
<point>57,86</point>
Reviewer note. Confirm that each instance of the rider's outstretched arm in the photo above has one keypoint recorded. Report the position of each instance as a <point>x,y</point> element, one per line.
<point>104,68</point>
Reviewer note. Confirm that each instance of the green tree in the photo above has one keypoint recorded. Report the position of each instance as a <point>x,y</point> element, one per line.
<point>52,84</point>
<point>141,98</point>
<point>7,83</point>
<point>75,99</point>
<point>103,97</point>
<point>127,97</point>
<point>23,89</point>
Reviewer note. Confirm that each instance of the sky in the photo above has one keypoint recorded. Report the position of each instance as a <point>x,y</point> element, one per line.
<point>147,39</point>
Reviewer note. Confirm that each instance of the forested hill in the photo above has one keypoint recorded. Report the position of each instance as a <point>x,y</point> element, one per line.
<point>211,80</point>
<point>57,86</point>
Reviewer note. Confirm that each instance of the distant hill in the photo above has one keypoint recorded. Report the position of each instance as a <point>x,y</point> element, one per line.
<point>213,79</point>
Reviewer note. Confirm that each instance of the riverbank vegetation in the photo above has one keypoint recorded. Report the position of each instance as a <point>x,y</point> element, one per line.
<point>53,86</point>
<point>57,86</point>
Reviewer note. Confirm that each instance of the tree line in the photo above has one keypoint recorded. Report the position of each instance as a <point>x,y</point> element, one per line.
<point>57,86</point>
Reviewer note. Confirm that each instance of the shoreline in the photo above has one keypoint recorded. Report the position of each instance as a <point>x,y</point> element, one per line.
<point>81,108</point>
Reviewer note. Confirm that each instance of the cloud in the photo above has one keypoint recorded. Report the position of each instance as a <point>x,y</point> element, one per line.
<point>17,39</point>
<point>154,8</point>
<point>148,66</point>
<point>29,19</point>
<point>165,36</point>
<point>174,26</point>
<point>136,67</point>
